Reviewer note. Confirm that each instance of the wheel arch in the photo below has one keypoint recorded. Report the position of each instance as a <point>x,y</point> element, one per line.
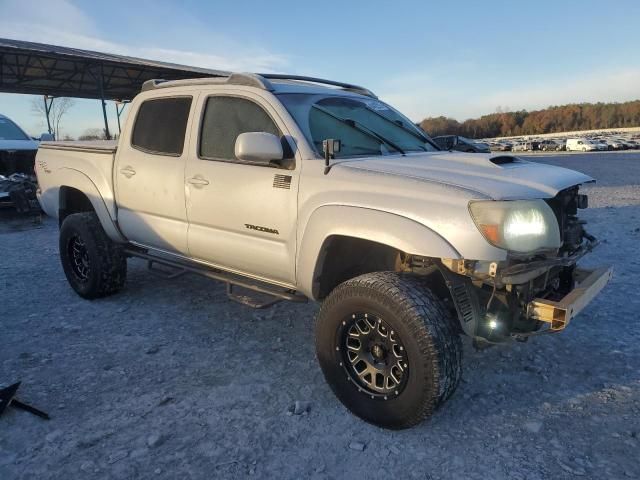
<point>80,194</point>
<point>341,242</point>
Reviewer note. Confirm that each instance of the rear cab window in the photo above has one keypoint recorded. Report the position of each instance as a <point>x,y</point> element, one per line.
<point>161,125</point>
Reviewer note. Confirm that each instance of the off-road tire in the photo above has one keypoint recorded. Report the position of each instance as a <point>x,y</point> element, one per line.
<point>107,262</point>
<point>427,330</point>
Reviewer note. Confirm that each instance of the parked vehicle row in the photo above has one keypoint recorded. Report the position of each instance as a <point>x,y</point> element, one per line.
<point>593,143</point>
<point>461,144</point>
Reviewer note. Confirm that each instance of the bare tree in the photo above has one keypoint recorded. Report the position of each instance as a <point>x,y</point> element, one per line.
<point>92,134</point>
<point>59,107</point>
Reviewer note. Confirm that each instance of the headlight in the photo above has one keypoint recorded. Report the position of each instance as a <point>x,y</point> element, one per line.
<point>518,226</point>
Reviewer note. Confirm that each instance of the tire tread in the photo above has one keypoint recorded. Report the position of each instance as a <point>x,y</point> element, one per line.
<point>111,257</point>
<point>428,320</point>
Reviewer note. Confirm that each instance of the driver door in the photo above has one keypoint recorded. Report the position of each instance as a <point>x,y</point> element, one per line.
<point>242,216</point>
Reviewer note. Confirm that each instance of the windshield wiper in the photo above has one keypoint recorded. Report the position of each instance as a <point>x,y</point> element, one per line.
<point>402,126</point>
<point>361,128</point>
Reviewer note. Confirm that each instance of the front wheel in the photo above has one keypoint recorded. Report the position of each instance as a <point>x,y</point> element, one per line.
<point>388,348</point>
<point>94,265</point>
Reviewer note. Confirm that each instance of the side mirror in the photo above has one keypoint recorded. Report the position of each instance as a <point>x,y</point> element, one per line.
<point>47,137</point>
<point>259,147</point>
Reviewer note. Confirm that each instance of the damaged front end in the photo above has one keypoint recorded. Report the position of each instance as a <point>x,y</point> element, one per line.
<point>528,293</point>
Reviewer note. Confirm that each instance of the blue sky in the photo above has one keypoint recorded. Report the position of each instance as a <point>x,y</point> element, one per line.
<point>459,59</point>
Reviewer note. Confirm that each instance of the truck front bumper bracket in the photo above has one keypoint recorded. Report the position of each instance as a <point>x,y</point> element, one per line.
<point>559,313</point>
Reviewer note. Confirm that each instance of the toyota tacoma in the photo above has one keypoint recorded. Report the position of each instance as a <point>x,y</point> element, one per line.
<point>297,188</point>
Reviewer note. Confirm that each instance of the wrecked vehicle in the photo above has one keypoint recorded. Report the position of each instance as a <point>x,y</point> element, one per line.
<point>17,178</point>
<point>299,188</point>
<point>18,191</point>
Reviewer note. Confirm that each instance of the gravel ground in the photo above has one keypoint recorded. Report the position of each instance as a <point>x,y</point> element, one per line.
<point>171,380</point>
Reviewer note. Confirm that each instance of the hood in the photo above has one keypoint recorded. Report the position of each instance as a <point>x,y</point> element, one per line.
<point>496,176</point>
<point>18,145</point>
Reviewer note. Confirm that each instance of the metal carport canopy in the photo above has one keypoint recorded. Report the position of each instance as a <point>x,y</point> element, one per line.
<point>40,69</point>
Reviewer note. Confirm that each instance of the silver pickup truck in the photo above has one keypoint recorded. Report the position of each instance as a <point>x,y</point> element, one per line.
<point>297,188</point>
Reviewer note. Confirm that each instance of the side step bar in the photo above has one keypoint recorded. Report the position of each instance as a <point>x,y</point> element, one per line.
<point>232,280</point>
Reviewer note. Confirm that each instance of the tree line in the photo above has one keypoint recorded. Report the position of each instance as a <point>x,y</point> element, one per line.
<point>565,118</point>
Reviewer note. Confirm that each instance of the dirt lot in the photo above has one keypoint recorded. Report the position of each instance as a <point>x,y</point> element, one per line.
<point>170,380</point>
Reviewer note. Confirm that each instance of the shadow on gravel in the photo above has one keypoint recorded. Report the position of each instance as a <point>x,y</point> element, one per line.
<point>11,221</point>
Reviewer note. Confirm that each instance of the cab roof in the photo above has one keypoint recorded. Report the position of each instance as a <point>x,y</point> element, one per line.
<point>272,82</point>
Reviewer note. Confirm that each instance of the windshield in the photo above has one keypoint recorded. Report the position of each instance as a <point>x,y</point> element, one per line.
<point>10,131</point>
<point>365,126</point>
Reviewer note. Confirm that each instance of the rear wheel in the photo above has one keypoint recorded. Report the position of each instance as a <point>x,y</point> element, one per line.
<point>388,348</point>
<point>94,265</point>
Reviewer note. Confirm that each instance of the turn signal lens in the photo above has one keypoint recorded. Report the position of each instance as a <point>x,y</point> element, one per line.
<point>491,233</point>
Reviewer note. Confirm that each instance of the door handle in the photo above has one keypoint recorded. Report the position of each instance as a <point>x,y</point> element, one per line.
<point>198,181</point>
<point>127,172</point>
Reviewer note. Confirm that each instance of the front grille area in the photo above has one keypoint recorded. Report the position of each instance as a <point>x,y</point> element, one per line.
<point>17,161</point>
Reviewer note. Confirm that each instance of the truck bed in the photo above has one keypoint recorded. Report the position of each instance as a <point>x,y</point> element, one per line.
<point>83,166</point>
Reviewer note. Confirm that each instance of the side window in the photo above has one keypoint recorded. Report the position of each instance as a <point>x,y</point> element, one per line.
<point>227,117</point>
<point>440,142</point>
<point>160,126</point>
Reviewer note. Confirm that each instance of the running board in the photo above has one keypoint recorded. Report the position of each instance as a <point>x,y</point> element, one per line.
<point>177,269</point>
<point>257,300</point>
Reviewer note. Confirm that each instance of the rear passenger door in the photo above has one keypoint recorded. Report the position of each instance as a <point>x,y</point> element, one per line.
<point>242,216</point>
<point>149,174</point>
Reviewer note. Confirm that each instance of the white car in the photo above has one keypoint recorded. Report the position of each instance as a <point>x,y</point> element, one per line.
<point>581,145</point>
<point>615,144</point>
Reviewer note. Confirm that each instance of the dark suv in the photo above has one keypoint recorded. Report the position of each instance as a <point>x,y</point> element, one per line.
<point>549,145</point>
<point>462,144</point>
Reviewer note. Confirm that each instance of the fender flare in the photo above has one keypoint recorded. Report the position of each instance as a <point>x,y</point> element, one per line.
<point>378,226</point>
<point>106,214</point>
